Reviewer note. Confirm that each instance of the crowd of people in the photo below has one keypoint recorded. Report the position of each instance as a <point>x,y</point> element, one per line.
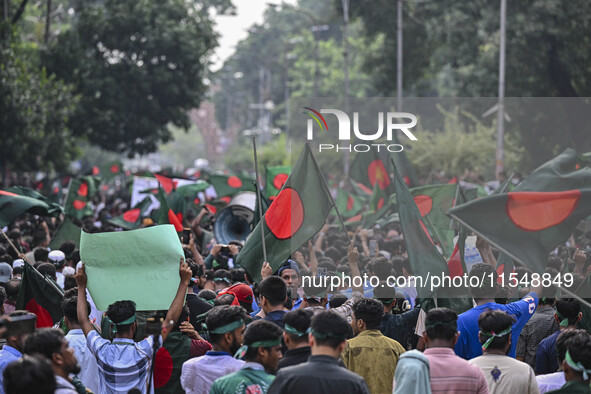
<point>225,333</point>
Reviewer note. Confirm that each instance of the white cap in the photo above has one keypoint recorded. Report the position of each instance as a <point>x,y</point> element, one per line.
<point>18,263</point>
<point>55,256</point>
<point>5,272</point>
<point>68,271</point>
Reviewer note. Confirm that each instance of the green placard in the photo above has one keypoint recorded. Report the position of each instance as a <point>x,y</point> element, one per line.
<point>139,265</point>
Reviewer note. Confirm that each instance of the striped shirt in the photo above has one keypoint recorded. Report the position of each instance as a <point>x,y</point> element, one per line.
<point>123,364</point>
<point>453,374</point>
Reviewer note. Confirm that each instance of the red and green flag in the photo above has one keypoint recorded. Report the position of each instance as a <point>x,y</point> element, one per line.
<point>368,169</point>
<point>402,164</point>
<point>107,170</point>
<point>132,219</point>
<point>348,204</point>
<point>80,193</point>
<point>41,295</point>
<point>169,361</point>
<point>275,179</point>
<point>299,211</point>
<point>526,225</point>
<point>229,185</point>
<point>168,215</point>
<point>423,256</point>
<point>12,205</point>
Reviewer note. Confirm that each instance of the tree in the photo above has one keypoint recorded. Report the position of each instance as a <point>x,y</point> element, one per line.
<point>137,66</point>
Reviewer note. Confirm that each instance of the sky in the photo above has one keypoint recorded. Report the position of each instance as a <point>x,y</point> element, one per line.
<point>233,29</point>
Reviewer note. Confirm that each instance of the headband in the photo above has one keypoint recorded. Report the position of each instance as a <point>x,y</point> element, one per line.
<point>244,348</point>
<point>129,320</point>
<point>579,367</point>
<point>227,327</point>
<point>494,335</point>
<point>452,324</point>
<point>293,330</point>
<point>321,336</point>
<point>563,320</point>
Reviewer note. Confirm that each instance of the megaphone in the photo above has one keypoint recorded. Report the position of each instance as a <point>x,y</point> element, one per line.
<point>233,222</point>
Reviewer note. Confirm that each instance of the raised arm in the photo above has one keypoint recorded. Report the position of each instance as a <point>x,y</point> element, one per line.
<point>174,312</point>
<point>82,307</point>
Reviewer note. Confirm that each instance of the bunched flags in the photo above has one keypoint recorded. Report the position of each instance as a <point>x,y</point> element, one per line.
<point>41,295</point>
<point>296,214</point>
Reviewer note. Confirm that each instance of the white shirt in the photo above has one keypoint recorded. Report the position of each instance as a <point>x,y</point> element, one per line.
<point>89,373</point>
<point>199,373</point>
<point>551,381</point>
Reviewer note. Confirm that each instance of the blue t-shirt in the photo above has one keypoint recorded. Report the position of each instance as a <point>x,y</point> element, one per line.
<point>469,346</point>
<point>546,355</point>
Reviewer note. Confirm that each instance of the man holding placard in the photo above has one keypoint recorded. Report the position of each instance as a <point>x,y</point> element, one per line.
<point>125,364</point>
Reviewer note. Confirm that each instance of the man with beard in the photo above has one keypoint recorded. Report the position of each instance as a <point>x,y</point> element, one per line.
<point>262,352</point>
<point>52,344</point>
<point>225,325</point>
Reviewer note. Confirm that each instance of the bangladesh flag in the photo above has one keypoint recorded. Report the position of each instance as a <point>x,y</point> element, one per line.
<point>13,205</point>
<point>402,164</point>
<point>132,219</point>
<point>368,169</point>
<point>168,184</point>
<point>422,254</point>
<point>67,231</point>
<point>299,211</point>
<point>80,193</point>
<point>168,363</point>
<point>275,179</point>
<point>348,204</point>
<point>55,209</point>
<point>229,185</point>
<point>433,203</point>
<point>41,295</point>
<point>526,225</point>
<point>108,170</point>
<point>191,190</point>
<point>167,215</point>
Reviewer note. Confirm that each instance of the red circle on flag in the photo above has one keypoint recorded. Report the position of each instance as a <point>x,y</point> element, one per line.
<point>132,215</point>
<point>350,203</point>
<point>535,211</point>
<point>43,317</point>
<point>279,180</point>
<point>226,199</point>
<point>83,189</point>
<point>380,203</point>
<point>78,205</point>
<point>95,170</point>
<point>286,214</point>
<point>424,203</point>
<point>377,173</point>
<point>114,168</point>
<point>162,367</point>
<point>234,182</point>
<point>197,201</point>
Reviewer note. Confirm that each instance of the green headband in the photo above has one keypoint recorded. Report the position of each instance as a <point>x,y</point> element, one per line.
<point>321,336</point>
<point>563,320</point>
<point>227,327</point>
<point>129,320</point>
<point>452,324</point>
<point>293,330</point>
<point>579,367</point>
<point>494,335</point>
<point>241,353</point>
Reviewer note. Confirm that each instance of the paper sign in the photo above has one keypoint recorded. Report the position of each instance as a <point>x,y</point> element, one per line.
<point>139,265</point>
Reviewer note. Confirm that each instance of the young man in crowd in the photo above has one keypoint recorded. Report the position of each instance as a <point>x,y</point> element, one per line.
<point>15,339</point>
<point>12,288</point>
<point>125,364</point>
<point>371,354</point>
<point>556,380</point>
<point>273,293</point>
<point>290,273</point>
<point>577,366</point>
<point>468,345</point>
<point>567,315</point>
<point>51,344</point>
<point>29,374</point>
<point>88,368</point>
<point>449,373</point>
<point>225,325</point>
<point>261,352</point>
<point>321,374</point>
<point>503,373</point>
<point>296,324</point>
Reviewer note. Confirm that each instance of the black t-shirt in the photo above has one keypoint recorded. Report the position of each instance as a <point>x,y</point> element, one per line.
<point>197,306</point>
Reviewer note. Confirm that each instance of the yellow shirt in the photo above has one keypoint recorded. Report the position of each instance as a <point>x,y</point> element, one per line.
<point>374,357</point>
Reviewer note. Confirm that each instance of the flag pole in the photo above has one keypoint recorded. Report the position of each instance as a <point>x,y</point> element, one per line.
<point>22,255</point>
<point>436,234</point>
<point>256,171</point>
<point>451,222</point>
<point>327,190</point>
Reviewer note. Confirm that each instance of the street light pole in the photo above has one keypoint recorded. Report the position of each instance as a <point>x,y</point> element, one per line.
<point>399,58</point>
<point>500,154</point>
<point>346,61</point>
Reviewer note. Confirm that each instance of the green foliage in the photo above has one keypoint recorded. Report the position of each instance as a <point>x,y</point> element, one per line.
<point>34,113</point>
<point>240,159</point>
<point>463,143</point>
<point>137,66</point>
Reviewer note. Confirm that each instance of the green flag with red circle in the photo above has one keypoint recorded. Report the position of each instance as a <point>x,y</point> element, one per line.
<point>12,205</point>
<point>368,170</point>
<point>229,185</point>
<point>80,193</point>
<point>41,295</point>
<point>526,225</point>
<point>132,219</point>
<point>348,204</point>
<point>275,178</point>
<point>297,213</point>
